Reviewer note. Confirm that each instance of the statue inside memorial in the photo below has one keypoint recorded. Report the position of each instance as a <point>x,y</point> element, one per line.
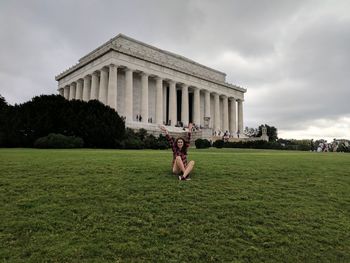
<point>180,166</point>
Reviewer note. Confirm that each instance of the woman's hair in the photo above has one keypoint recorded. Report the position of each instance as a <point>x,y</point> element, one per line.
<point>184,147</point>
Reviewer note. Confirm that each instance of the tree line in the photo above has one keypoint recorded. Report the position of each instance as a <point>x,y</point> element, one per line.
<point>96,124</point>
<point>51,121</point>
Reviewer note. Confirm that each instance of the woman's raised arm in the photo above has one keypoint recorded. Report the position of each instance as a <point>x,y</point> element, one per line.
<point>170,139</point>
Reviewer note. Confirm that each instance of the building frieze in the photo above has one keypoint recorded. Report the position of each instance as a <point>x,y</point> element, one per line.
<point>151,56</point>
<point>153,69</point>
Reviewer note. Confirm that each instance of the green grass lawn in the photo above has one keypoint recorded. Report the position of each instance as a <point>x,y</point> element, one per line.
<point>125,206</point>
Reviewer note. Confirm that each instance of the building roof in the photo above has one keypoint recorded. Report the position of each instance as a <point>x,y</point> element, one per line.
<point>121,44</point>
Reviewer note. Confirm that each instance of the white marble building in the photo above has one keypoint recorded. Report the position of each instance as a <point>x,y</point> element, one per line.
<point>137,79</point>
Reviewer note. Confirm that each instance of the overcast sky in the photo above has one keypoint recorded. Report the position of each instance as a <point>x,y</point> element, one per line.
<point>293,57</point>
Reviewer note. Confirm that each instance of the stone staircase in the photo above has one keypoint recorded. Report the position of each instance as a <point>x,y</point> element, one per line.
<point>173,131</point>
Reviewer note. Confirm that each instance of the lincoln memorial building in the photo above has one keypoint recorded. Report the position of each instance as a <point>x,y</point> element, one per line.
<point>150,86</point>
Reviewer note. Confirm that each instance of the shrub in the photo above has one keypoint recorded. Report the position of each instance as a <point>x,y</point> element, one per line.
<point>142,133</point>
<point>202,143</point>
<point>132,143</point>
<point>253,144</point>
<point>162,145</point>
<point>58,141</point>
<point>162,142</point>
<point>142,140</point>
<point>150,142</point>
<point>218,144</point>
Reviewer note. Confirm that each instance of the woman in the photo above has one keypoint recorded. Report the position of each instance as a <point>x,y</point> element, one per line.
<point>179,148</point>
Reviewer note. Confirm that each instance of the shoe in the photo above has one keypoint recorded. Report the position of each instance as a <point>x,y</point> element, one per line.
<point>181,178</point>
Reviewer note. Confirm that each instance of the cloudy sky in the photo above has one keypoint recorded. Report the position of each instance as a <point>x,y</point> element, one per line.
<point>293,57</point>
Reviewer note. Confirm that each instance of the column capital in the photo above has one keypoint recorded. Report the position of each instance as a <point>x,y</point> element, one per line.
<point>232,98</point>
<point>158,78</point>
<point>144,74</point>
<point>112,66</point>
<point>104,68</point>
<point>95,73</point>
<point>129,69</point>
<point>240,100</point>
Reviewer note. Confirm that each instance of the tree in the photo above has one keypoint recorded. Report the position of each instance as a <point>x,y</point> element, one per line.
<point>3,103</point>
<point>97,124</point>
<point>3,114</point>
<point>271,132</point>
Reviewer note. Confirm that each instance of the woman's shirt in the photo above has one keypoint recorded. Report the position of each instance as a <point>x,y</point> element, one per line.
<point>176,150</point>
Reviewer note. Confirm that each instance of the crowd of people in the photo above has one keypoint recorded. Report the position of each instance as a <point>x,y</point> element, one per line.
<point>324,146</point>
<point>194,126</point>
<point>225,135</point>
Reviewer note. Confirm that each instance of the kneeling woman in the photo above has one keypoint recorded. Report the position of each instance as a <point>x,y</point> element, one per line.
<point>179,148</point>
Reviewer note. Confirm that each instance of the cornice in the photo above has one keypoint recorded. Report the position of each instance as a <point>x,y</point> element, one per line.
<point>113,44</point>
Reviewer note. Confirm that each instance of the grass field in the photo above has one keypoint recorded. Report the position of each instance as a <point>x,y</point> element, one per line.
<point>125,206</point>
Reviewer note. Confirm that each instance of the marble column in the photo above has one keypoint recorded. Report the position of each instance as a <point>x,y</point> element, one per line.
<point>79,92</point>
<point>172,103</point>
<point>184,105</point>
<point>207,104</point>
<point>196,106</point>
<point>112,87</point>
<point>217,112</point>
<point>225,114</point>
<point>66,92</point>
<point>165,91</point>
<point>129,95</point>
<point>86,88</point>
<point>72,89</point>
<point>233,119</point>
<point>144,97</point>
<point>159,100</point>
<point>240,116</point>
<point>94,86</point>
<point>102,96</point>
<point>207,109</point>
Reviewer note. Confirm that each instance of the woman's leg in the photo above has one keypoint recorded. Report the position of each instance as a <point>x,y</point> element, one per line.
<point>178,166</point>
<point>188,169</point>
<point>176,169</point>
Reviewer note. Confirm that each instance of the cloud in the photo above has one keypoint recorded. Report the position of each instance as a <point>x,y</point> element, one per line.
<point>320,129</point>
<point>292,56</point>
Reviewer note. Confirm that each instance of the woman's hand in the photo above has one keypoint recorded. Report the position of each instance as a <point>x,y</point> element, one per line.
<point>162,127</point>
<point>190,127</point>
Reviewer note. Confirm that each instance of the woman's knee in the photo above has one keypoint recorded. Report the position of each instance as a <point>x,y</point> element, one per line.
<point>178,159</point>
<point>192,163</point>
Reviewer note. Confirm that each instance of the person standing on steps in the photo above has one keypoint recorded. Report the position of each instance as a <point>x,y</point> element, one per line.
<point>179,146</point>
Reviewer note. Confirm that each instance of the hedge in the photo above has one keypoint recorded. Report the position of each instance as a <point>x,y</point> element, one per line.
<point>58,141</point>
